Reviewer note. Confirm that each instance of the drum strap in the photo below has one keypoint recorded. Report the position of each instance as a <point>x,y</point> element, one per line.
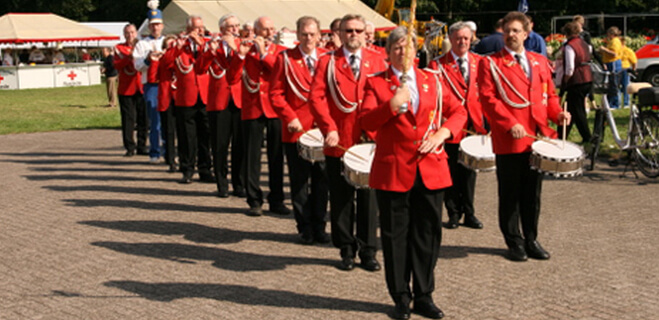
<point>334,89</point>
<point>288,70</point>
<point>497,75</point>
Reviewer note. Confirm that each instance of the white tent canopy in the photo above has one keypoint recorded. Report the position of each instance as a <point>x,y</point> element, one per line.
<point>46,27</point>
<point>284,13</point>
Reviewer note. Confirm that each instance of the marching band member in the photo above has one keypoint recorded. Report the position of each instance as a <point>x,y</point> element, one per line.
<point>130,95</point>
<point>190,109</point>
<point>253,68</point>
<point>146,50</point>
<point>224,108</point>
<point>337,92</point>
<point>289,92</point>
<point>410,171</point>
<point>370,40</point>
<point>518,96</point>
<point>459,70</point>
<point>166,93</point>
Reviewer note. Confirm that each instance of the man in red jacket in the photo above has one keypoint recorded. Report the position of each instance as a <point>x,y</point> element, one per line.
<point>224,108</point>
<point>518,97</point>
<point>190,110</point>
<point>336,95</point>
<point>289,92</point>
<point>459,70</point>
<point>253,68</point>
<point>132,108</point>
<point>410,171</point>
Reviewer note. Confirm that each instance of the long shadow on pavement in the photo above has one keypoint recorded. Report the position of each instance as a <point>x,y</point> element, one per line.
<point>221,258</point>
<point>243,295</point>
<point>134,190</point>
<point>151,206</point>
<point>457,252</point>
<point>191,231</point>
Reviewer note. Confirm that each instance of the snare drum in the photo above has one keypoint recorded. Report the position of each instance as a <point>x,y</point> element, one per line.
<point>476,153</point>
<point>357,164</point>
<point>310,146</point>
<point>561,161</point>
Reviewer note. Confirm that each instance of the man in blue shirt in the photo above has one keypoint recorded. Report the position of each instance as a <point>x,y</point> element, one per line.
<point>492,43</point>
<point>535,42</point>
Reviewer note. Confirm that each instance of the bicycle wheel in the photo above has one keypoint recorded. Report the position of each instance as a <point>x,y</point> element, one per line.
<point>646,138</point>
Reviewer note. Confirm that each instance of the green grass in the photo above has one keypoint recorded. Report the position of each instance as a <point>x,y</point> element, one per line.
<point>56,109</point>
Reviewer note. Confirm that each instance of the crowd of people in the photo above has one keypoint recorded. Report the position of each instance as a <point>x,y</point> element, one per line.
<point>233,91</point>
<point>36,55</point>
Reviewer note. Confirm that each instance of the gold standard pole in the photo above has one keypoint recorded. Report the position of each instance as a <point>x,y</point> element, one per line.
<point>410,45</point>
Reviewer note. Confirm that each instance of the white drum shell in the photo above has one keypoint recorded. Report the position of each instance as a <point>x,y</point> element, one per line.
<point>556,160</point>
<point>476,153</point>
<point>310,146</point>
<point>355,170</point>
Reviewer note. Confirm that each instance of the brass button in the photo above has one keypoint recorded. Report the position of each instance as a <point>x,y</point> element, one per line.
<point>414,127</point>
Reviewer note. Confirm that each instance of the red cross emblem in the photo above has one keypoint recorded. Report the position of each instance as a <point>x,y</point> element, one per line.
<point>72,75</point>
<point>1,78</point>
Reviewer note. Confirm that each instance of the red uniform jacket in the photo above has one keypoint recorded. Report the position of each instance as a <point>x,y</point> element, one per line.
<point>289,91</point>
<point>539,92</point>
<point>396,159</point>
<point>254,73</point>
<point>190,84</point>
<point>129,79</point>
<point>349,93</point>
<point>165,76</point>
<point>219,90</point>
<point>462,90</point>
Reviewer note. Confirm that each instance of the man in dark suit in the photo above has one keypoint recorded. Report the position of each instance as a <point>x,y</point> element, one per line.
<point>492,43</point>
<point>518,96</point>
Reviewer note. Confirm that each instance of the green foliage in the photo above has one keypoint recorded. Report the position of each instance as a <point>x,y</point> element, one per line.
<point>38,110</point>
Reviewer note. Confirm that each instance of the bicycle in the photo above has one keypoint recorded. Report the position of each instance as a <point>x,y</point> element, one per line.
<point>642,141</point>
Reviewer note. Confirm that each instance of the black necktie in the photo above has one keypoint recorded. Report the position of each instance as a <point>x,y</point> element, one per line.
<point>310,65</point>
<point>354,65</point>
<point>463,70</point>
<point>518,57</point>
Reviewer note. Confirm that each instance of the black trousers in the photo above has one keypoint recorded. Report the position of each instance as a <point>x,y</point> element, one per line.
<point>459,198</point>
<point>346,212</point>
<point>576,105</point>
<point>411,231</point>
<point>193,138</point>
<point>226,128</point>
<point>168,134</point>
<point>253,134</point>
<point>133,116</point>
<point>309,191</point>
<point>519,189</point>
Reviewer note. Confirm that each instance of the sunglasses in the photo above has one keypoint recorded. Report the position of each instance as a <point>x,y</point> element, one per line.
<point>357,31</point>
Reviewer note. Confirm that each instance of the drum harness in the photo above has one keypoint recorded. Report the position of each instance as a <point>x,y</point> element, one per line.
<point>334,88</point>
<point>288,70</point>
<point>497,75</point>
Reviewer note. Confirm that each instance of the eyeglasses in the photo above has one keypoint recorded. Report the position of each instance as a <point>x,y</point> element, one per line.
<point>357,31</point>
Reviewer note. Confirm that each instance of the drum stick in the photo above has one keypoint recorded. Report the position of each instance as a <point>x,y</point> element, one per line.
<point>474,133</point>
<point>564,123</point>
<point>338,146</point>
<point>542,139</point>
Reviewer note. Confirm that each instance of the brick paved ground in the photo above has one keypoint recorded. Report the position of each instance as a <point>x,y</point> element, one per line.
<point>88,234</point>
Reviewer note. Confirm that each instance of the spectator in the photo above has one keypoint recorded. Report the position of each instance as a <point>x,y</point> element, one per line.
<point>7,59</point>
<point>535,42</point>
<point>492,43</point>
<point>628,62</point>
<point>85,55</point>
<point>58,57</point>
<point>36,56</point>
<point>110,76</point>
<point>611,50</point>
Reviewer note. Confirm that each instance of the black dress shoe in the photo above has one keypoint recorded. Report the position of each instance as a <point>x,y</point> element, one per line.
<point>517,253</point>
<point>207,178</point>
<point>280,209</point>
<point>347,263</point>
<point>322,237</point>
<point>172,168</point>
<point>187,179</point>
<point>535,251</point>
<point>255,212</point>
<point>129,153</point>
<point>239,193</point>
<point>401,311</point>
<point>223,194</point>
<point>473,222</point>
<point>370,264</point>
<point>428,310</point>
<point>453,221</point>
<point>306,239</point>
